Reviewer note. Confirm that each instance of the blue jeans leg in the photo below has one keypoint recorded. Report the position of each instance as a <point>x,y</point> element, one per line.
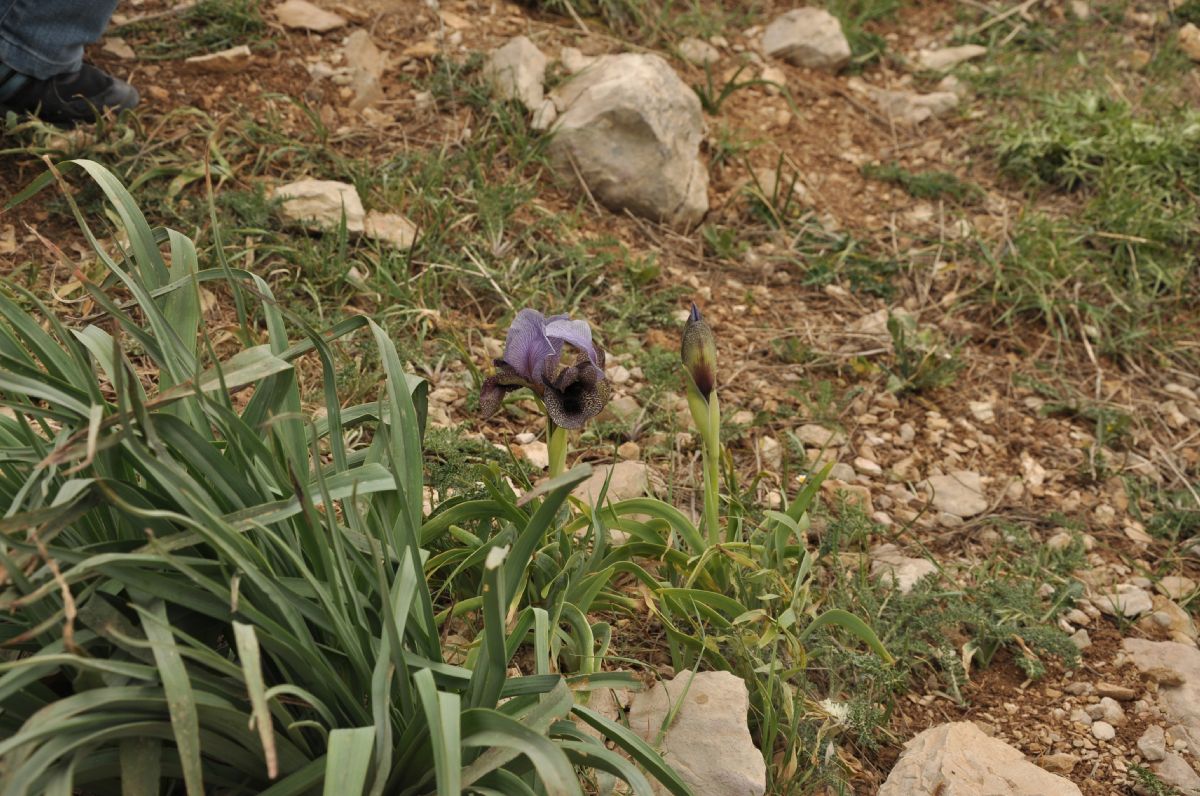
<point>44,38</point>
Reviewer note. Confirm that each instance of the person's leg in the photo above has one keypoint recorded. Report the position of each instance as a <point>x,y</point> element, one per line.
<point>41,61</point>
<point>45,38</point>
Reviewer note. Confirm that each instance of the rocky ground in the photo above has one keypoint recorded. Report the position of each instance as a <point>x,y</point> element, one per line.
<point>733,156</point>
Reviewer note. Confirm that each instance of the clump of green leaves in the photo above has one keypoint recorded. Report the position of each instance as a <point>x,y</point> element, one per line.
<point>856,16</point>
<point>1136,233</point>
<point>921,360</point>
<point>1090,141</point>
<point>1149,783</point>
<point>454,462</point>
<point>209,594</point>
<point>1171,514</point>
<point>832,257</point>
<point>1187,11</point>
<point>995,606</point>
<point>926,184</point>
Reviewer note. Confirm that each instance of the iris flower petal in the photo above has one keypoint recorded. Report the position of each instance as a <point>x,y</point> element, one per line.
<point>578,393</point>
<point>578,334</point>
<point>527,346</point>
<point>505,380</point>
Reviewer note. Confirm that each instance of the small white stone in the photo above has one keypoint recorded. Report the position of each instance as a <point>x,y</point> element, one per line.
<point>517,71</point>
<point>390,228</point>
<point>302,15</point>
<point>537,454</point>
<point>698,52</point>
<point>809,37</point>
<point>120,48</point>
<point>983,411</point>
<point>1111,711</point>
<point>1059,541</point>
<point>1128,601</point>
<point>1189,41</point>
<point>544,116</point>
<point>949,57</point>
<point>630,479</point>
<point>960,493</point>
<point>224,62</point>
<point>319,204</point>
<point>867,467</point>
<point>1177,587</point>
<point>892,567</point>
<point>618,374</point>
<point>1103,731</point>
<point>819,436</point>
<point>771,453</point>
<point>1153,743</point>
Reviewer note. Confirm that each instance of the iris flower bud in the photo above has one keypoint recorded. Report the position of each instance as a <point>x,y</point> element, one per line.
<point>699,353</point>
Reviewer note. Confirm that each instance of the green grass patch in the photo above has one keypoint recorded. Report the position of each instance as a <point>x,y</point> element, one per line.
<point>926,184</point>
<point>972,615</point>
<point>857,18</point>
<point>207,27</point>
<point>1109,250</point>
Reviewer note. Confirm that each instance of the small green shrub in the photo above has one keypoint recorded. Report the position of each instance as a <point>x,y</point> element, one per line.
<point>920,359</point>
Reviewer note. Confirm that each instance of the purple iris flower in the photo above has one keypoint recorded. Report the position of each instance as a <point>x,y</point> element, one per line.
<point>533,357</point>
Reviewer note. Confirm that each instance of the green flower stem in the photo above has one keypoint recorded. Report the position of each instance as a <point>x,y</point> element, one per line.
<point>556,443</point>
<point>707,416</point>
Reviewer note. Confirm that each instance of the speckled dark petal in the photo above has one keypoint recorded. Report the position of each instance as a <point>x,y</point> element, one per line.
<point>577,393</point>
<point>506,379</point>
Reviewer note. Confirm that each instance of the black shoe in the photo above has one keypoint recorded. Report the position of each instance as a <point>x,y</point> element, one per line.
<point>66,99</point>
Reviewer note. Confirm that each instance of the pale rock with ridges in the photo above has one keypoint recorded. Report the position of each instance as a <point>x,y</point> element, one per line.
<point>958,759</point>
<point>960,493</point>
<point>517,70</point>
<point>810,37</point>
<point>631,130</point>
<point>708,743</point>
<point>1179,694</point>
<point>303,15</point>
<point>318,205</point>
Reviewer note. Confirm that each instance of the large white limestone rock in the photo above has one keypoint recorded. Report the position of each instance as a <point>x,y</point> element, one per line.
<point>630,129</point>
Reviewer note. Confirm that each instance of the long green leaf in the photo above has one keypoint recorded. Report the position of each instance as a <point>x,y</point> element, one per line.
<point>348,761</point>
<point>178,687</point>
<point>850,622</point>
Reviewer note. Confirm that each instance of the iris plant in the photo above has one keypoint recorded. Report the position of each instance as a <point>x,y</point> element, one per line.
<point>556,359</point>
<point>699,355</point>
